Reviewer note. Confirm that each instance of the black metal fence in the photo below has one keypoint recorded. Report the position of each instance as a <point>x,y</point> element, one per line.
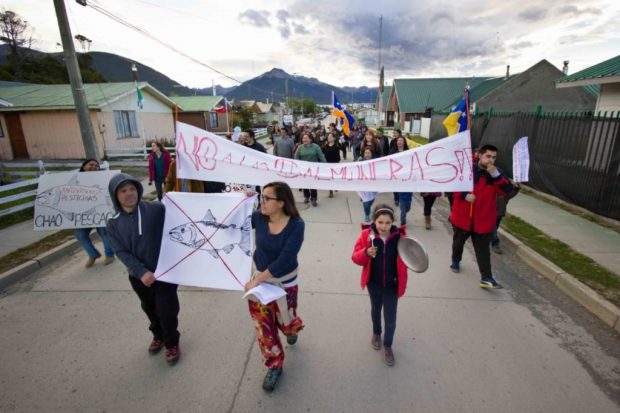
<point>575,157</point>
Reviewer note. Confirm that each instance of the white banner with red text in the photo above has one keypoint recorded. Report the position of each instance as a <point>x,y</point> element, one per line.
<point>443,165</point>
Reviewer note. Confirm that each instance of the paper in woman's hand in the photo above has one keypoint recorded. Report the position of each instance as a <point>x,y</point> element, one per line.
<point>265,293</point>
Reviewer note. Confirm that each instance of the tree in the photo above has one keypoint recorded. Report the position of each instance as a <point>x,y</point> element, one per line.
<point>296,105</point>
<point>244,118</point>
<point>17,34</point>
<point>309,106</point>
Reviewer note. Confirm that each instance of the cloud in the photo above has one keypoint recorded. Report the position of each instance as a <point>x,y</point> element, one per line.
<point>442,15</point>
<point>521,45</point>
<point>533,14</point>
<point>255,17</point>
<point>576,11</point>
<point>282,15</point>
<point>285,31</point>
<point>300,29</point>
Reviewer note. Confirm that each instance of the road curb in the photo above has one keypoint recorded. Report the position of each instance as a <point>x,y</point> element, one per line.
<point>22,271</point>
<point>568,284</point>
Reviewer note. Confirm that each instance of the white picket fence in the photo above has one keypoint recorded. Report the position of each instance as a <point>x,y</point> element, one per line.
<point>15,197</point>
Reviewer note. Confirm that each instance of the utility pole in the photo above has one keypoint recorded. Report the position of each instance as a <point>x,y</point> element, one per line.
<point>77,88</point>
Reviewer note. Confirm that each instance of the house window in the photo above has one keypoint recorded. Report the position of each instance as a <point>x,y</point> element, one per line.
<point>213,119</point>
<point>126,125</point>
<point>1,131</point>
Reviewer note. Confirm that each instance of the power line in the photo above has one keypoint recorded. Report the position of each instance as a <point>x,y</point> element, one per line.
<point>95,5</point>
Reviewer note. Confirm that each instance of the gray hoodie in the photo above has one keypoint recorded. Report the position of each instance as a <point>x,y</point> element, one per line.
<point>136,236</point>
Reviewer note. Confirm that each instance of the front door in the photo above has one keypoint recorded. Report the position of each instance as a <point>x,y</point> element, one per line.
<point>16,135</point>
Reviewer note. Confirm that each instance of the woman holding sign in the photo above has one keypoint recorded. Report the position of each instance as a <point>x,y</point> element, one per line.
<point>83,234</point>
<point>279,236</point>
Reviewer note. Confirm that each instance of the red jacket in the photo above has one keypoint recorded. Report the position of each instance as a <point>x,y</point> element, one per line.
<point>479,218</point>
<point>167,160</point>
<point>360,258</point>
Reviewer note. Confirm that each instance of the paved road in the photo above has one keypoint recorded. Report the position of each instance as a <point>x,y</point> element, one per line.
<point>75,340</point>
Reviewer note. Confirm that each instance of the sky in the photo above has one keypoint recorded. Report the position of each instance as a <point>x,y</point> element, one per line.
<point>336,42</point>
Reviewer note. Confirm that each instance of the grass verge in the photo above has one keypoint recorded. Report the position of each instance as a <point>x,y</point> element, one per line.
<point>22,255</point>
<point>586,270</point>
<point>419,139</point>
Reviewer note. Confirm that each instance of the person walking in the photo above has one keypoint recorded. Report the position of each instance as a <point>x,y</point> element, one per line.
<point>402,199</point>
<point>368,198</point>
<point>279,232</point>
<point>159,164</point>
<point>429,199</point>
<point>474,214</point>
<point>135,235</point>
<point>384,273</point>
<point>283,145</point>
<point>310,152</point>
<point>331,150</point>
<point>83,234</point>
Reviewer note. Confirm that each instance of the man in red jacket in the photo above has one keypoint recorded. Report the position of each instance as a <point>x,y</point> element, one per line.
<point>473,214</point>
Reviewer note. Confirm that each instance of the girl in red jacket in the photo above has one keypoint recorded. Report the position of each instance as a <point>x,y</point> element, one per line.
<point>383,272</point>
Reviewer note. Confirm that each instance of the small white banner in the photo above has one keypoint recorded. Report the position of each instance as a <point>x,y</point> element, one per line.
<point>444,165</point>
<point>521,161</point>
<point>73,200</point>
<point>207,240</point>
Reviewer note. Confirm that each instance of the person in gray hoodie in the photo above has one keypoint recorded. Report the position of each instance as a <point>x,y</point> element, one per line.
<point>135,234</point>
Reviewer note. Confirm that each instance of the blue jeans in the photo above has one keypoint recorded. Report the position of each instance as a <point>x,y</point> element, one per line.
<point>83,236</point>
<point>385,299</point>
<point>367,206</point>
<point>405,207</point>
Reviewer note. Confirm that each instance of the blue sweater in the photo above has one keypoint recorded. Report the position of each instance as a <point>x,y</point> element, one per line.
<point>277,252</point>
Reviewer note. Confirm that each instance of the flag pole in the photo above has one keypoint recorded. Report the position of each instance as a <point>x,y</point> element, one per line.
<point>227,122</point>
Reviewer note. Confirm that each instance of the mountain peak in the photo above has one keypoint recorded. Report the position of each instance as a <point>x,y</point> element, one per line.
<point>276,72</point>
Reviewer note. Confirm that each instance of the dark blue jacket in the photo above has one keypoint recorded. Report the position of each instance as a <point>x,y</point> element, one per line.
<point>136,237</point>
<point>277,252</point>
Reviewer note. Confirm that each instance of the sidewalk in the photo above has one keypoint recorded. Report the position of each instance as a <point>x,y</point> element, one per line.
<point>589,238</point>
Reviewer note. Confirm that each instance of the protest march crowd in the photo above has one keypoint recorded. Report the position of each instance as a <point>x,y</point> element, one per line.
<point>135,234</point>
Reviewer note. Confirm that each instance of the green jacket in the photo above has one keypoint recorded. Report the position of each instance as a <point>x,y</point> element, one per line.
<point>310,153</point>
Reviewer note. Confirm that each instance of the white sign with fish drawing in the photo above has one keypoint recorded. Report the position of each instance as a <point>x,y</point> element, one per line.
<point>73,200</point>
<point>207,240</point>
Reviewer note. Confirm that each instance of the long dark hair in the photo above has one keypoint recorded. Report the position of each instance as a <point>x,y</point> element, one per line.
<point>87,161</point>
<point>284,194</point>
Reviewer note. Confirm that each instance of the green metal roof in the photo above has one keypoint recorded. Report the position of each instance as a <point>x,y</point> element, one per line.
<point>55,97</point>
<point>415,95</point>
<point>608,68</point>
<point>479,91</point>
<point>197,103</point>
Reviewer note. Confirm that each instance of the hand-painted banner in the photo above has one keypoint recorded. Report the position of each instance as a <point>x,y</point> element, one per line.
<point>444,165</point>
<point>521,161</point>
<point>207,240</point>
<point>73,200</point>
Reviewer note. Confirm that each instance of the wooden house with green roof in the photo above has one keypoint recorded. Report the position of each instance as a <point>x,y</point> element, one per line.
<point>40,121</point>
<point>606,77</point>
<point>200,111</point>
<point>412,100</point>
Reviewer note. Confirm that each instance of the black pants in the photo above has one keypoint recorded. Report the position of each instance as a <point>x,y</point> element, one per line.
<point>161,305</point>
<point>429,200</point>
<point>386,298</point>
<point>481,248</point>
<point>159,181</point>
<point>310,193</point>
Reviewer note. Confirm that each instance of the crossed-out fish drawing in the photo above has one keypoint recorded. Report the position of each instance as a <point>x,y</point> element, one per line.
<point>72,198</point>
<point>191,235</point>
